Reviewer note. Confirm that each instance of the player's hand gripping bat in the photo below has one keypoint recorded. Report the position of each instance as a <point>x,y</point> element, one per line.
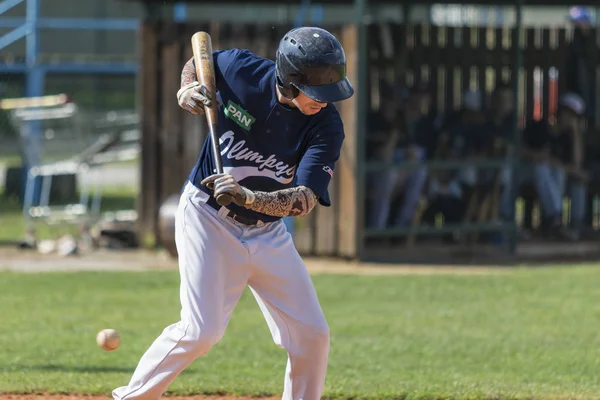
<point>205,72</point>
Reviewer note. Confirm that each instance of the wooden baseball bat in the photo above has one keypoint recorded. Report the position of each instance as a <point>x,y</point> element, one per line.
<point>205,73</point>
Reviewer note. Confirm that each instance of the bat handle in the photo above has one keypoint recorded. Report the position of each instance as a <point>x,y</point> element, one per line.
<point>224,199</point>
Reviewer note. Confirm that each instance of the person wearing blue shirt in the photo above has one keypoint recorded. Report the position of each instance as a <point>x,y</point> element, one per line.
<point>279,137</point>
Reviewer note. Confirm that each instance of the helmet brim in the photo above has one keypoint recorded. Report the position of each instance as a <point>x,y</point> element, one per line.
<point>329,93</point>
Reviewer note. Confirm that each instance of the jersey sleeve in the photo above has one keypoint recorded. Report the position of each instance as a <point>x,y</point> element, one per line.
<point>317,165</point>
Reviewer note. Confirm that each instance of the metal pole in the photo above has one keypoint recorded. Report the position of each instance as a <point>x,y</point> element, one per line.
<point>360,8</point>
<point>35,77</point>
<point>516,137</point>
<point>34,87</point>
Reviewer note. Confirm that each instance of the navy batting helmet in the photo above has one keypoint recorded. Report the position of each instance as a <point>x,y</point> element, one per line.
<point>312,61</point>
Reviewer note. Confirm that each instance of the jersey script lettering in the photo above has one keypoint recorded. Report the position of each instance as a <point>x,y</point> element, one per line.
<point>269,167</point>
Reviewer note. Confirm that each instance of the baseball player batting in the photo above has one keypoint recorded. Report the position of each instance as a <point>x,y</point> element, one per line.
<point>279,138</point>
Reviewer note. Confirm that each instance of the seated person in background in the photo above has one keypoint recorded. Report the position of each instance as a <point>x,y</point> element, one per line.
<point>488,142</point>
<point>501,110</point>
<point>568,158</point>
<point>454,143</point>
<point>411,127</point>
<point>445,198</point>
<point>381,128</point>
<point>535,167</point>
<point>382,137</point>
<point>424,120</point>
<point>500,124</point>
<point>471,139</point>
<point>549,153</point>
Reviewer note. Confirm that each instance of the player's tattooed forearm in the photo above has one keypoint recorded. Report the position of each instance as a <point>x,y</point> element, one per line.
<point>188,74</point>
<point>295,202</point>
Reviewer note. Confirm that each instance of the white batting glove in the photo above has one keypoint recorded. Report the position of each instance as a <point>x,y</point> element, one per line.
<point>193,97</point>
<point>226,184</point>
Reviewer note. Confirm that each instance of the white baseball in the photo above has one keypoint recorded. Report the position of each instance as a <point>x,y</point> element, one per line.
<point>108,339</point>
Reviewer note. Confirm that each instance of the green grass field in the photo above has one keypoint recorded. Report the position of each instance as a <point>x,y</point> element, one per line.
<point>524,334</point>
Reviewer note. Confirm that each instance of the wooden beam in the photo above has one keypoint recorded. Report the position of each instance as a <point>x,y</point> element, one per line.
<point>170,131</point>
<point>147,105</point>
<point>345,171</point>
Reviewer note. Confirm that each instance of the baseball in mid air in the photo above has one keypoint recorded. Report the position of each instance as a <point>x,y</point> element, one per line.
<point>108,339</point>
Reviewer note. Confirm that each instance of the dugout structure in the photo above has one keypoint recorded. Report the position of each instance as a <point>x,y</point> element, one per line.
<point>449,58</point>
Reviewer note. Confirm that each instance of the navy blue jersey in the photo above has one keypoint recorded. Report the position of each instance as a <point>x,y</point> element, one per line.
<point>265,145</point>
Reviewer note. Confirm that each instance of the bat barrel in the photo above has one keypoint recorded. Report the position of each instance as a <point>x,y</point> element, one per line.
<point>205,70</point>
<point>205,73</point>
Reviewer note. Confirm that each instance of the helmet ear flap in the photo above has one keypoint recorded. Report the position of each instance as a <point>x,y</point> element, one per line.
<point>295,91</point>
<point>286,93</point>
<point>289,93</point>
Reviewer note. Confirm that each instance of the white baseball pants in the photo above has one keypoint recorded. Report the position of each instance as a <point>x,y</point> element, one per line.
<point>217,259</point>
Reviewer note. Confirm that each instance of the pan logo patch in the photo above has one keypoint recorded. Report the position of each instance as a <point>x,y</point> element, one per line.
<point>238,115</point>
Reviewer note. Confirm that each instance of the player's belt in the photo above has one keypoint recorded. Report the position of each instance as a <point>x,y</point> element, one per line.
<point>230,214</point>
<point>241,219</point>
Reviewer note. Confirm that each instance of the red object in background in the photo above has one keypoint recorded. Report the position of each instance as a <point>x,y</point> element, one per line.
<point>542,78</point>
<point>552,93</point>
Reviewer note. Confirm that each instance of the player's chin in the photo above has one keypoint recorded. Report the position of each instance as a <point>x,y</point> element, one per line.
<point>311,110</point>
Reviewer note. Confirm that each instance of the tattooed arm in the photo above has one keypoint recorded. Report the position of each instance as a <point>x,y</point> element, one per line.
<point>296,202</point>
<point>188,73</point>
<point>192,96</point>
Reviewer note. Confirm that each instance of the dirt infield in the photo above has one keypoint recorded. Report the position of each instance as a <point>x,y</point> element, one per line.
<point>42,396</point>
<point>139,260</point>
